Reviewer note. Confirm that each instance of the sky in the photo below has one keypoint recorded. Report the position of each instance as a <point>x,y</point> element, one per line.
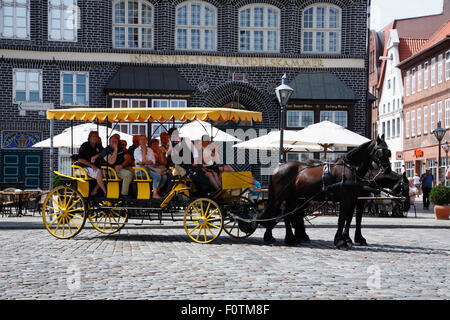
<point>384,11</point>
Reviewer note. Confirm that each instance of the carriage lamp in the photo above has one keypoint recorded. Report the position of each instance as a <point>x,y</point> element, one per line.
<point>439,133</point>
<point>283,93</point>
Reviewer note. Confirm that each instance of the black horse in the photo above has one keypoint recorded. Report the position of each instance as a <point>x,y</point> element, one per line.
<point>397,183</point>
<point>297,183</point>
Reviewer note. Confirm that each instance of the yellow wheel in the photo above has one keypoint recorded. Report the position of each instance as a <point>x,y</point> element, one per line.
<point>203,220</point>
<point>109,220</point>
<point>64,212</point>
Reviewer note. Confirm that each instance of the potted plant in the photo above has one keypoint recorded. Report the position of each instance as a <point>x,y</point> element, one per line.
<point>440,197</point>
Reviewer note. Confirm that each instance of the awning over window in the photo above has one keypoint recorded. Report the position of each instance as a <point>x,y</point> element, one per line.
<point>148,79</point>
<point>320,86</point>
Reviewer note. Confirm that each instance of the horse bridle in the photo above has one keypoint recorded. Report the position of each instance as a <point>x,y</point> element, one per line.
<point>377,154</point>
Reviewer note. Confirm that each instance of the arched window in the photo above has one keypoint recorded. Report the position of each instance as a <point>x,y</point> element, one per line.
<point>132,24</point>
<point>196,26</point>
<point>321,29</point>
<point>259,28</point>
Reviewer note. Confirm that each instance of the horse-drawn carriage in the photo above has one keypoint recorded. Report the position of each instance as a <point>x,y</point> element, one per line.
<point>292,186</point>
<point>67,207</point>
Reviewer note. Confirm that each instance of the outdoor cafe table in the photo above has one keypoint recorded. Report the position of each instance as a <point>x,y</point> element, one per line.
<point>20,194</point>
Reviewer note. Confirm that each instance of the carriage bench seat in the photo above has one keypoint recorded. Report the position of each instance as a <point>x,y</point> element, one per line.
<point>143,183</point>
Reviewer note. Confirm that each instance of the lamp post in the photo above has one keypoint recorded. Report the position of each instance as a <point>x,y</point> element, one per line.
<point>283,93</point>
<point>439,133</point>
<point>446,148</point>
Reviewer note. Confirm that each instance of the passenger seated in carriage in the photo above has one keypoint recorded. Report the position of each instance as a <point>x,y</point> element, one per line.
<point>185,157</point>
<point>89,157</point>
<point>121,161</point>
<point>210,162</point>
<point>146,157</point>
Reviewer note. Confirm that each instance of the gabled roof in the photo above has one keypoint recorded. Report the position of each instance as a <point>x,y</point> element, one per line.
<point>409,47</point>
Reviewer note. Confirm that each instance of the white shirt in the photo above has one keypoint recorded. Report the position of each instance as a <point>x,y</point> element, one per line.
<point>416,180</point>
<point>412,194</point>
<point>138,155</point>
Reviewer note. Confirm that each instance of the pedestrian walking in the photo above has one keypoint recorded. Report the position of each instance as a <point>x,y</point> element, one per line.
<point>427,180</point>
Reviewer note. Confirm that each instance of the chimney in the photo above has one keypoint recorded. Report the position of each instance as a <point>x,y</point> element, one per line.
<point>446,8</point>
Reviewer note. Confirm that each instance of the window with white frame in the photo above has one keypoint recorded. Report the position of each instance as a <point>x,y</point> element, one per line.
<point>413,81</point>
<point>393,129</point>
<point>447,113</point>
<point>169,103</point>
<point>413,123</point>
<point>338,117</point>
<point>136,128</point>
<point>419,121</point>
<point>133,24</point>
<point>195,26</point>
<point>440,68</point>
<point>259,28</point>
<point>27,85</point>
<point>388,130</point>
<point>425,75</point>
<point>409,168</point>
<point>298,156</point>
<point>321,32</point>
<point>432,118</point>
<point>439,107</point>
<point>447,65</point>
<point>383,128</point>
<point>425,119</point>
<point>407,81</point>
<point>398,127</point>
<point>398,167</point>
<point>433,72</point>
<point>419,78</point>
<point>62,20</point>
<point>74,88</point>
<point>300,118</point>
<point>408,117</point>
<point>15,19</point>
<point>393,86</point>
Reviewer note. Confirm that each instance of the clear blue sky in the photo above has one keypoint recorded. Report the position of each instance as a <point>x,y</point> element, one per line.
<point>384,11</point>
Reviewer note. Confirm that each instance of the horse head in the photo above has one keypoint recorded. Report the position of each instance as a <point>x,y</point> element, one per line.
<point>402,188</point>
<point>380,154</point>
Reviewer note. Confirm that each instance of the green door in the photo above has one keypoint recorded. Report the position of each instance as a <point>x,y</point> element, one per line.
<point>22,165</point>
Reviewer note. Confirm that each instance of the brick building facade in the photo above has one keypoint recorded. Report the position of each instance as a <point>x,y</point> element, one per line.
<point>426,102</point>
<point>65,53</point>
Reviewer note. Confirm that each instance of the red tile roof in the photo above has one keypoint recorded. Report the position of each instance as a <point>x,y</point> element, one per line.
<point>441,34</point>
<point>408,47</point>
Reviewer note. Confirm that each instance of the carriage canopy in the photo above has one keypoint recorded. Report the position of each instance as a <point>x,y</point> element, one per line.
<point>153,114</point>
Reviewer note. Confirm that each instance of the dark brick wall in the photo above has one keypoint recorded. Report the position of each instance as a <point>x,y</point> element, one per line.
<point>95,35</point>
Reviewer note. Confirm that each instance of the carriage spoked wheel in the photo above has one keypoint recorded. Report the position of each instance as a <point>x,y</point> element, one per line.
<point>64,212</point>
<point>107,220</point>
<point>203,220</point>
<point>239,229</point>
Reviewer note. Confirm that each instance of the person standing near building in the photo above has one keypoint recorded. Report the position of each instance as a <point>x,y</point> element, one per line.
<point>427,180</point>
<point>416,181</point>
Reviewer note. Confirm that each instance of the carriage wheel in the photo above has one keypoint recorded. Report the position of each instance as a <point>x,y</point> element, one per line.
<point>231,225</point>
<point>203,220</point>
<point>108,221</point>
<point>64,212</point>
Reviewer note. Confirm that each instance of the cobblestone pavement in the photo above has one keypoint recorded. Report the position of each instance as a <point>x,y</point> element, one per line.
<point>407,258</point>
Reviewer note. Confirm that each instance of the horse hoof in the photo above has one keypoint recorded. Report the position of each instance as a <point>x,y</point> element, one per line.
<point>303,238</point>
<point>292,241</point>
<point>362,243</point>
<point>342,245</point>
<point>269,240</point>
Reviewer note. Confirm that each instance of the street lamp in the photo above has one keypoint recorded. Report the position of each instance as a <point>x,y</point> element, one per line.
<point>439,133</point>
<point>283,93</point>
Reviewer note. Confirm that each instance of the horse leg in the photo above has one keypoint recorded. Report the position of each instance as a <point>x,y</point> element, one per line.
<point>290,239</point>
<point>346,233</point>
<point>339,240</point>
<point>268,237</point>
<point>299,226</point>
<point>359,239</point>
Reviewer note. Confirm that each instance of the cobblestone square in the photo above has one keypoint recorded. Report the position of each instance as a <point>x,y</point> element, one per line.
<point>407,258</point>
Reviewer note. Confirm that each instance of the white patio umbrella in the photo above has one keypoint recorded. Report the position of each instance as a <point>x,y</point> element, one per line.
<point>195,130</point>
<point>271,141</point>
<point>80,135</point>
<point>326,134</point>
